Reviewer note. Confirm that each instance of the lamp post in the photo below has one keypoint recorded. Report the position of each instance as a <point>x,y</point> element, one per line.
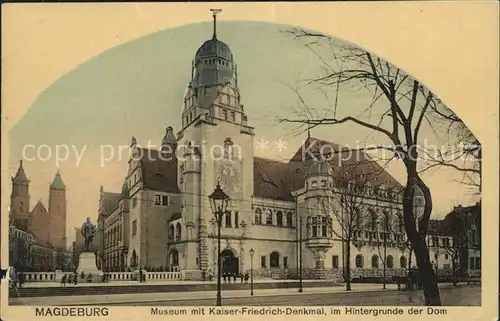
<point>300,255</point>
<point>252,252</point>
<point>218,203</point>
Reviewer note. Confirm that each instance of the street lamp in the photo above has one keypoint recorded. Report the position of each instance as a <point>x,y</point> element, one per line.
<point>300,255</point>
<point>218,203</point>
<point>252,252</point>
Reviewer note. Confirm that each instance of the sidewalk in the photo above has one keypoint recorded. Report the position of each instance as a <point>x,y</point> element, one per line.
<point>181,296</point>
<point>151,282</point>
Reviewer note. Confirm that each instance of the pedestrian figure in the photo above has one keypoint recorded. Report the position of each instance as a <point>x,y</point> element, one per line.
<point>247,276</point>
<point>63,280</point>
<point>140,275</point>
<point>224,277</point>
<point>143,277</point>
<point>241,277</point>
<point>75,278</point>
<point>210,275</point>
<point>234,277</point>
<point>82,275</point>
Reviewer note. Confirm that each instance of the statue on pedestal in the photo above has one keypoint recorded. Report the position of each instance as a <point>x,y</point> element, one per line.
<point>88,231</point>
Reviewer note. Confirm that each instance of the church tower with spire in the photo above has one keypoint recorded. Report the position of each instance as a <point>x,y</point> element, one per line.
<point>20,199</point>
<point>57,212</point>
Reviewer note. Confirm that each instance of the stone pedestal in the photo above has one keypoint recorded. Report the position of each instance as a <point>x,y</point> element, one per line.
<point>88,265</point>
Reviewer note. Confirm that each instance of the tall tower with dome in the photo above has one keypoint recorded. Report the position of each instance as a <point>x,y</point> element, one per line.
<point>217,144</point>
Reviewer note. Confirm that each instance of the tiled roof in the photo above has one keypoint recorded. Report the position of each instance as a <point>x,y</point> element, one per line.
<point>40,205</point>
<point>57,183</point>
<point>274,179</point>
<point>159,173</point>
<point>20,175</point>
<point>109,202</point>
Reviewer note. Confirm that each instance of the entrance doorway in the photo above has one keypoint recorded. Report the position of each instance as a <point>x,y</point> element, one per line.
<point>230,263</point>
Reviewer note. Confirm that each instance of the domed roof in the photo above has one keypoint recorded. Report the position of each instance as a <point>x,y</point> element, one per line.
<point>214,48</point>
<point>213,63</point>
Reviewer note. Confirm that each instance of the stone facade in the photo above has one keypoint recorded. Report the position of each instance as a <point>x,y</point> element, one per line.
<point>276,208</point>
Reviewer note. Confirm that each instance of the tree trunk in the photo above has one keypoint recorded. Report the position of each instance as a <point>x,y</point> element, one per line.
<point>347,261</point>
<point>384,261</point>
<point>454,266</point>
<point>417,239</point>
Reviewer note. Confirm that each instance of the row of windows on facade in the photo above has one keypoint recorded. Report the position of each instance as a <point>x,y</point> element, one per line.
<point>275,219</point>
<point>367,190</point>
<point>160,200</point>
<point>114,235</point>
<point>359,261</point>
<point>215,61</point>
<point>475,262</point>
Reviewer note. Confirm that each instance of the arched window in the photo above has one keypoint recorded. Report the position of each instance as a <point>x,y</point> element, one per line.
<point>314,227</point>
<point>324,227</point>
<point>373,216</point>
<point>269,217</point>
<point>359,261</point>
<point>374,261</point>
<point>274,259</point>
<point>279,218</point>
<point>390,261</point>
<point>401,223</point>
<point>178,232</point>
<point>402,262</point>
<point>258,216</point>
<point>387,221</point>
<point>171,233</point>
<point>134,258</point>
<point>174,257</point>
<point>289,219</point>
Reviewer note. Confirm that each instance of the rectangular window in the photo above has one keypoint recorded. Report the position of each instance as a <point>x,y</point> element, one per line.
<point>263,261</point>
<point>164,200</point>
<point>134,202</point>
<point>225,114</point>
<point>472,263</point>
<point>236,219</point>
<point>323,183</point>
<point>157,199</point>
<point>134,227</point>
<point>478,263</point>
<point>335,261</point>
<point>285,262</point>
<point>233,116</point>
<point>228,219</point>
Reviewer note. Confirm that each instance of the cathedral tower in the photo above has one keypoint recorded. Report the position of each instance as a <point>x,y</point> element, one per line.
<point>20,199</point>
<point>57,212</point>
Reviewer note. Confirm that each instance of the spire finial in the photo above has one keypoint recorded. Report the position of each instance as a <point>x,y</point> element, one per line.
<point>214,15</point>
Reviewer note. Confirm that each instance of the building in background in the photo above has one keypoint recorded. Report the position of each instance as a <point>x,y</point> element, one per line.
<point>28,254</point>
<point>48,226</point>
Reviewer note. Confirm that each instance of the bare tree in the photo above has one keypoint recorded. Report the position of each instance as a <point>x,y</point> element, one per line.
<point>402,105</point>
<point>463,151</point>
<point>384,236</point>
<point>348,205</point>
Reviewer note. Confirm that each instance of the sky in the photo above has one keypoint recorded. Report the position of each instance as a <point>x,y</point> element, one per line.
<point>136,89</point>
